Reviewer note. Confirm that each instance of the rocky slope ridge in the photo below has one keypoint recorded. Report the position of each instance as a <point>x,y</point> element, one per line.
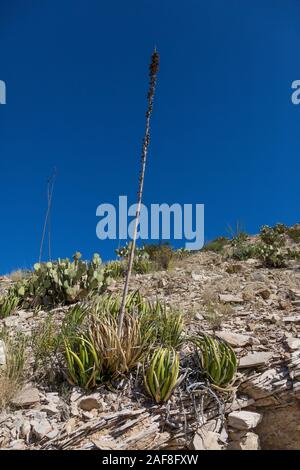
<point>255,309</point>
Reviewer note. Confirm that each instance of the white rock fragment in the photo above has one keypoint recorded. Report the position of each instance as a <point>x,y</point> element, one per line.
<point>2,353</point>
<point>41,428</point>
<point>293,343</point>
<point>206,440</point>
<point>234,339</point>
<point>255,359</point>
<point>243,420</point>
<point>292,319</point>
<point>26,397</point>
<point>229,298</point>
<point>17,444</point>
<point>250,441</point>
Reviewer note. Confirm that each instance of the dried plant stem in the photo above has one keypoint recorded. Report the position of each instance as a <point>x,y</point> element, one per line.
<point>50,186</point>
<point>153,76</point>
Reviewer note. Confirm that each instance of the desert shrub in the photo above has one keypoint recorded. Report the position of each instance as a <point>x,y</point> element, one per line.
<point>271,256</point>
<point>141,261</point>
<point>270,248</point>
<point>218,362</point>
<point>234,268</point>
<point>162,255</point>
<point>243,251</point>
<point>142,265</point>
<point>182,253</point>
<point>237,233</point>
<point>151,257</point>
<point>161,370</point>
<point>19,275</point>
<point>239,238</point>
<point>294,234</point>
<point>281,229</point>
<point>62,281</point>
<point>115,269</point>
<point>215,312</point>
<point>216,245</point>
<point>272,235</point>
<point>293,254</point>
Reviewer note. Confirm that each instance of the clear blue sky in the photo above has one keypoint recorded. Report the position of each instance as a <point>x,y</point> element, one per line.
<point>224,130</point>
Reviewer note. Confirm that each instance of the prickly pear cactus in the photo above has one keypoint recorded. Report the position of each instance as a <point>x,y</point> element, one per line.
<point>63,281</point>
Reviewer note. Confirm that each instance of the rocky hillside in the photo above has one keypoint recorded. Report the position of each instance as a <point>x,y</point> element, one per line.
<point>252,305</point>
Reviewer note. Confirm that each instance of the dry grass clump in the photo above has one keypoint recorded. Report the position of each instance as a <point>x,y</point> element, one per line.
<point>217,312</point>
<point>19,275</point>
<point>12,372</point>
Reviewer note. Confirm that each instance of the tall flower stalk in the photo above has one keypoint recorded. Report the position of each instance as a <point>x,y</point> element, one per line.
<point>153,69</point>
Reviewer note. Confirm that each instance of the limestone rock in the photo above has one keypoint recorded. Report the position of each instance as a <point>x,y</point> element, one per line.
<point>248,442</point>
<point>89,403</point>
<point>229,298</point>
<point>2,353</point>
<point>244,419</point>
<point>51,410</point>
<point>255,359</point>
<point>41,428</point>
<point>293,343</point>
<point>26,398</point>
<point>17,444</point>
<point>206,440</point>
<point>234,339</point>
<point>292,319</point>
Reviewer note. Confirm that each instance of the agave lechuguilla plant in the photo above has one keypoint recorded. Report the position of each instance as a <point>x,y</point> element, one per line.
<point>158,323</point>
<point>161,372</point>
<point>83,363</point>
<point>218,361</point>
<point>166,325</point>
<point>8,303</point>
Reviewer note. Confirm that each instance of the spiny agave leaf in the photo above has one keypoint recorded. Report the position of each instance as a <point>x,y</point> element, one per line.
<point>217,358</point>
<point>161,375</point>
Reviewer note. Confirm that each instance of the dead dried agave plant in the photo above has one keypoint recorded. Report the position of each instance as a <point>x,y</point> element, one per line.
<point>118,353</point>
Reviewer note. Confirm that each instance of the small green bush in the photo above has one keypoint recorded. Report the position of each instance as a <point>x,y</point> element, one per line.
<point>115,269</point>
<point>162,255</point>
<point>294,234</point>
<point>217,245</point>
<point>270,248</point>
<point>271,255</point>
<point>243,251</point>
